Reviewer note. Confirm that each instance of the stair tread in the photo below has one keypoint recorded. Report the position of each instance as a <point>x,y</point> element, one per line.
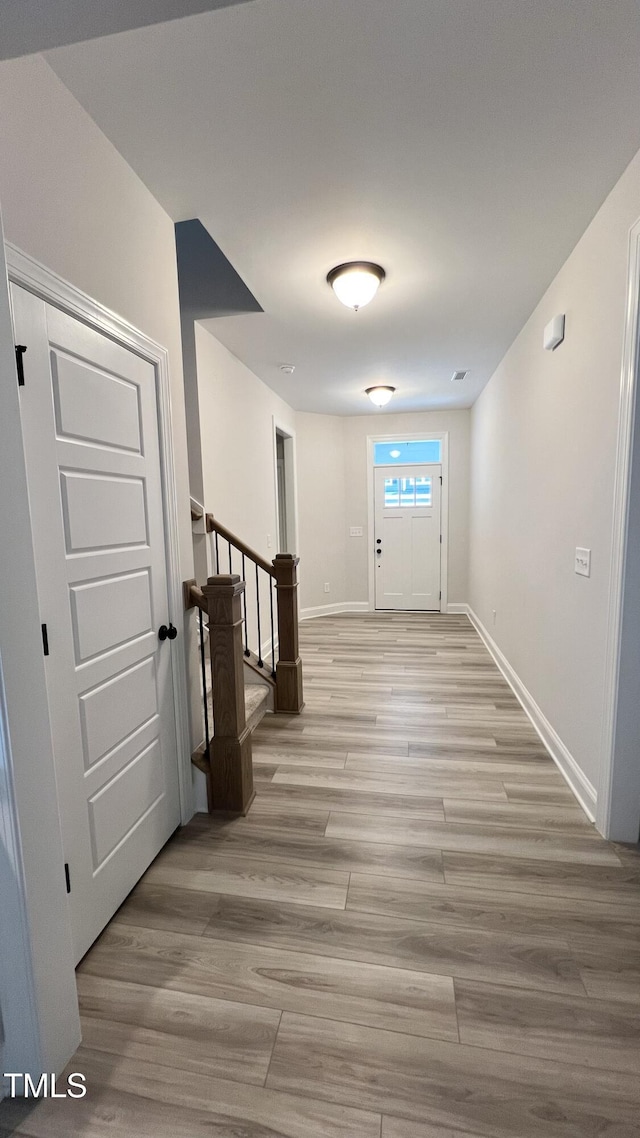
<point>255,695</point>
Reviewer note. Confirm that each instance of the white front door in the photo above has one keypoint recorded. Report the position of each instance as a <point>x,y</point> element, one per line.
<point>407,541</point>
<point>90,426</point>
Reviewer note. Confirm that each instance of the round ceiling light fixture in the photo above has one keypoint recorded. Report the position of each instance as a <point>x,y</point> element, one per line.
<point>380,395</point>
<point>356,282</point>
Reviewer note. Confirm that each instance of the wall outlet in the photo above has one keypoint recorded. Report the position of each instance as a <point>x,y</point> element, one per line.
<point>583,562</point>
<point>268,541</point>
<point>355,531</point>
<point>326,587</point>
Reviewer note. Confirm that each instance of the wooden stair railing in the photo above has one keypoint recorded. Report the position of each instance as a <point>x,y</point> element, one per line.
<point>225,758</point>
<point>226,755</point>
<point>283,573</point>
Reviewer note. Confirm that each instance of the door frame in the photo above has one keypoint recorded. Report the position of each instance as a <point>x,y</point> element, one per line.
<point>619,784</point>
<point>40,1005</point>
<point>29,274</point>
<point>37,980</point>
<point>291,483</point>
<point>443,438</point>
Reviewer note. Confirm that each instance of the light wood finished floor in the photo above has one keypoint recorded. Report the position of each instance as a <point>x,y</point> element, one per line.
<point>415,933</point>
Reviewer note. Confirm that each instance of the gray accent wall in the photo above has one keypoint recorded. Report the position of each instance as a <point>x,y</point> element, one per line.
<point>29,26</point>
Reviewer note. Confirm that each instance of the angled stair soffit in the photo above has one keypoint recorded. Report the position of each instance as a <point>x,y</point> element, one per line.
<point>209,285</point>
<point>30,26</point>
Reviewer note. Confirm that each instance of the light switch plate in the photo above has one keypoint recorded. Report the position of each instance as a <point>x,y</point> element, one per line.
<point>583,562</point>
<point>355,531</point>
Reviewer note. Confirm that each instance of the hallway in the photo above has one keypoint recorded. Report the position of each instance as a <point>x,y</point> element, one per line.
<point>415,933</point>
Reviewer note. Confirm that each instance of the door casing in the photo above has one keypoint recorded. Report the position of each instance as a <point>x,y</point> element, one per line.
<point>443,438</point>
<point>383,533</point>
<point>34,277</point>
<point>109,744</point>
<point>618,790</point>
<point>51,1033</point>
<point>291,493</point>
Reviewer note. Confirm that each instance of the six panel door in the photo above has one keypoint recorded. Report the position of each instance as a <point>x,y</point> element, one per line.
<point>90,427</point>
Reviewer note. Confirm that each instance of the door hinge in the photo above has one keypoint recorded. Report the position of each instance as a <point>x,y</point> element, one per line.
<point>67,876</point>
<point>440,539</point>
<point>45,639</point>
<point>441,480</point>
<point>440,595</point>
<point>20,350</point>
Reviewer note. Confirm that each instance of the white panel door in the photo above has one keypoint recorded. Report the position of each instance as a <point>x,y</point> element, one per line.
<point>90,429</point>
<point>407,537</point>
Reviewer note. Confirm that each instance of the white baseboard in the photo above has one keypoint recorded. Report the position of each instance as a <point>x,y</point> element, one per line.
<point>458,607</point>
<point>334,610</point>
<point>200,803</point>
<point>578,782</point>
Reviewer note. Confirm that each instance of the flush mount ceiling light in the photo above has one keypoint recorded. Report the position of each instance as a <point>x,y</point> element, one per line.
<point>356,282</point>
<point>394,453</point>
<point>380,395</point>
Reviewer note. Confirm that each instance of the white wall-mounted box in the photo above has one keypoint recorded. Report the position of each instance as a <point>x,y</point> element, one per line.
<point>554,333</point>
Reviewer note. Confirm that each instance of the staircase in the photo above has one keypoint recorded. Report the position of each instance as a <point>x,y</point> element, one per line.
<point>258,697</point>
<point>243,675</point>
<point>257,702</point>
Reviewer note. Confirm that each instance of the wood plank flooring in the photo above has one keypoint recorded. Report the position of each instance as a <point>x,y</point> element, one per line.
<point>415,933</point>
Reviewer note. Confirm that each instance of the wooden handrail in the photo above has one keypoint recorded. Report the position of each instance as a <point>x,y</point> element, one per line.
<point>194,597</point>
<point>214,526</point>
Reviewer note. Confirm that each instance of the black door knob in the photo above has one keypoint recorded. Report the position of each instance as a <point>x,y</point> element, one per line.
<point>165,633</point>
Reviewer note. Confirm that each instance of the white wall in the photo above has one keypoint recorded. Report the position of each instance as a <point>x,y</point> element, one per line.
<point>70,200</point>
<point>236,414</point>
<point>332,476</point>
<point>237,411</point>
<point>542,468</point>
<point>333,481</point>
<point>322,510</point>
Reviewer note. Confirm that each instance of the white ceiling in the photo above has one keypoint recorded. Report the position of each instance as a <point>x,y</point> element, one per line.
<point>462,144</point>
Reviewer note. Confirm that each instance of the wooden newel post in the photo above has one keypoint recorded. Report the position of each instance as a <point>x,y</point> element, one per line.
<point>289,697</point>
<point>231,777</point>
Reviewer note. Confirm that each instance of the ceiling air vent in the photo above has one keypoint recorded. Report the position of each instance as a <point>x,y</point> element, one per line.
<point>458,375</point>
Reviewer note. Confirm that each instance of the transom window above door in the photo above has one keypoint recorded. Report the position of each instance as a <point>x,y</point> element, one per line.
<point>407,492</point>
<point>403,453</point>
